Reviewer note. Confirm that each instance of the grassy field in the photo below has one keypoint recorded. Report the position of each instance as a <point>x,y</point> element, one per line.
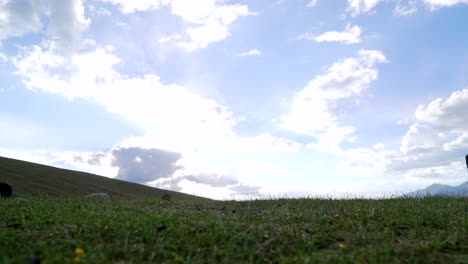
<point>73,230</point>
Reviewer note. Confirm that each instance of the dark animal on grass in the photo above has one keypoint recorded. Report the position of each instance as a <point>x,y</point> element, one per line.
<point>166,197</point>
<point>466,159</point>
<point>5,190</point>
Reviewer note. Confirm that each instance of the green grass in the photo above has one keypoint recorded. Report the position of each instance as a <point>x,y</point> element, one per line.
<point>401,230</point>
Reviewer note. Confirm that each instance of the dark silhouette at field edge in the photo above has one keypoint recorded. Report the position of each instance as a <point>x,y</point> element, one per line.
<point>5,190</point>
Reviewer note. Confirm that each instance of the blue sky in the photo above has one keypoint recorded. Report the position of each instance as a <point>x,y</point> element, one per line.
<point>232,98</point>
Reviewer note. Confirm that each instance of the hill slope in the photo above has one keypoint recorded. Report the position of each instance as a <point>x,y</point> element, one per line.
<point>440,189</point>
<point>31,178</point>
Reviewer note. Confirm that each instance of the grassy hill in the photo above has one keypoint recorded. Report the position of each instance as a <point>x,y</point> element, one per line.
<point>31,178</point>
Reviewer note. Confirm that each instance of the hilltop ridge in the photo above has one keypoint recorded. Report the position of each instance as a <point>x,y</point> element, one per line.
<point>32,178</point>
<point>441,189</point>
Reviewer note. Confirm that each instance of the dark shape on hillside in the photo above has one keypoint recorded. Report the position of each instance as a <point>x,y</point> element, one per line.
<point>161,227</point>
<point>5,190</point>
<point>166,197</point>
<point>466,159</point>
<point>440,189</point>
<point>34,260</point>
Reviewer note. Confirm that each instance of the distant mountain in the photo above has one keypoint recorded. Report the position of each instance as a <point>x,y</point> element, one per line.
<point>36,179</point>
<point>440,189</point>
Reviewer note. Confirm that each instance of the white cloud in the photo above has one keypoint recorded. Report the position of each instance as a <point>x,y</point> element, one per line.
<point>378,146</point>
<point>99,11</point>
<point>312,3</point>
<point>436,172</point>
<point>251,52</point>
<point>446,113</point>
<point>20,17</point>
<point>331,139</point>
<point>420,138</point>
<point>461,142</point>
<point>436,144</point>
<point>211,18</point>
<point>3,57</point>
<point>315,107</point>
<point>264,143</point>
<point>170,38</point>
<point>144,165</point>
<point>132,6</point>
<point>405,9</point>
<point>350,35</point>
<point>208,20</point>
<point>402,8</point>
<point>357,7</point>
<point>435,4</point>
<point>67,23</point>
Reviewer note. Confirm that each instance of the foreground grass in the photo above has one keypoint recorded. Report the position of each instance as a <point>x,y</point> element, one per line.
<point>68,230</point>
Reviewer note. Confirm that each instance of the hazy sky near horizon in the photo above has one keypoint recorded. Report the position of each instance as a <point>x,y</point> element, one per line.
<point>223,98</point>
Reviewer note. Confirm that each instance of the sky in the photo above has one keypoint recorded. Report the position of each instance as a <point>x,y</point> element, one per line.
<point>230,99</point>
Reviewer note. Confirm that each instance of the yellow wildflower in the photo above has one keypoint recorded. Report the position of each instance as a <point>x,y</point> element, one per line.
<point>79,251</point>
<point>77,259</point>
<point>266,236</point>
<point>342,245</point>
<point>106,227</point>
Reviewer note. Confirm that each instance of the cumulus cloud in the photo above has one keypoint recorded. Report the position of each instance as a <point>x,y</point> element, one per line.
<point>436,172</point>
<point>350,35</point>
<point>331,139</point>
<point>312,3</point>
<point>251,52</point>
<point>436,144</point>
<point>145,165</point>
<point>460,143</point>
<point>208,20</point>
<point>66,24</point>
<point>20,17</point>
<point>314,108</point>
<point>3,57</point>
<point>445,113</point>
<point>435,4</point>
<point>378,146</point>
<point>357,7</point>
<point>94,159</point>
<point>420,138</point>
<point>99,11</point>
<point>264,143</point>
<point>402,8</point>
<point>212,179</point>
<point>144,100</point>
<point>170,38</point>
<point>405,9</point>
<point>132,6</point>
